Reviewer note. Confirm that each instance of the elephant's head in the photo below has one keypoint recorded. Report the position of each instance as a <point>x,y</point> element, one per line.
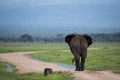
<point>70,36</point>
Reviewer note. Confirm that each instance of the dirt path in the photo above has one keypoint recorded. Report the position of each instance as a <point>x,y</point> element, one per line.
<point>25,64</point>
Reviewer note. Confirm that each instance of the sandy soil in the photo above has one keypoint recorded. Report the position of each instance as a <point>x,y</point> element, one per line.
<point>25,64</point>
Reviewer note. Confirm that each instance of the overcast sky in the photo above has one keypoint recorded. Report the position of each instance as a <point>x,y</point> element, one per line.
<point>95,13</point>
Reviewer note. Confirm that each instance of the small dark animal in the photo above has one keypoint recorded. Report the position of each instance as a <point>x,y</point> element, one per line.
<point>78,45</point>
<point>47,71</point>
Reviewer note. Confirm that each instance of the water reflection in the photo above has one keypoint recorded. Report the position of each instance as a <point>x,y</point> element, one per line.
<point>64,65</point>
<point>59,64</point>
<point>9,68</point>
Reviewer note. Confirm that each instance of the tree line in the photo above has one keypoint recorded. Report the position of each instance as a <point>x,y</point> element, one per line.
<point>103,37</point>
<point>97,37</point>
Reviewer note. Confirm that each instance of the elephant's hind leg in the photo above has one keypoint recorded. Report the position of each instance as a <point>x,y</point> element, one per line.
<point>83,57</point>
<point>82,63</point>
<point>76,58</point>
<point>78,65</point>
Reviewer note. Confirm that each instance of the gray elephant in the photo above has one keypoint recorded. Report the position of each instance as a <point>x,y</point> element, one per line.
<point>78,45</point>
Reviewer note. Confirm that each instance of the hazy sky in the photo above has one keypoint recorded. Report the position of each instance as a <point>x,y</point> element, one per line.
<point>96,13</point>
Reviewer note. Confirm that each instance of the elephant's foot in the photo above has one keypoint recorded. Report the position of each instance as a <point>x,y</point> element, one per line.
<point>82,68</point>
<point>78,68</point>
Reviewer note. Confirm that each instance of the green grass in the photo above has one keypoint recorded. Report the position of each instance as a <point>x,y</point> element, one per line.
<point>18,47</point>
<point>103,59</point>
<point>107,57</point>
<point>5,75</point>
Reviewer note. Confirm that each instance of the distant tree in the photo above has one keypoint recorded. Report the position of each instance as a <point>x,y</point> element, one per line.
<point>38,39</point>
<point>103,37</point>
<point>97,37</point>
<point>60,38</point>
<point>26,38</point>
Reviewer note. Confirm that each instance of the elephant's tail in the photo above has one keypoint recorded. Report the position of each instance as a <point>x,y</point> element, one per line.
<point>69,37</point>
<point>73,60</point>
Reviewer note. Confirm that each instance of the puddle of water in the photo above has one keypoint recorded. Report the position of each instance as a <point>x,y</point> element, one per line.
<point>9,68</point>
<point>64,65</point>
<point>59,64</point>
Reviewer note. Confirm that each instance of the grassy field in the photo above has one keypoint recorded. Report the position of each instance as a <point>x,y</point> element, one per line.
<point>104,56</point>
<point>17,47</point>
<point>5,75</point>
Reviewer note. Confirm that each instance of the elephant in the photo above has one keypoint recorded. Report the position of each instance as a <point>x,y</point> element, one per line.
<point>78,45</point>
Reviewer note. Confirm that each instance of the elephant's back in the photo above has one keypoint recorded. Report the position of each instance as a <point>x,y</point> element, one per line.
<point>78,41</point>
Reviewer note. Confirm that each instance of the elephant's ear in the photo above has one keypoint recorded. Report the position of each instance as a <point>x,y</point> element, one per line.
<point>89,39</point>
<point>69,37</point>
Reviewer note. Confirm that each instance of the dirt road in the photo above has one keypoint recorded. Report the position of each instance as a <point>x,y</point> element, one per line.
<point>25,64</point>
